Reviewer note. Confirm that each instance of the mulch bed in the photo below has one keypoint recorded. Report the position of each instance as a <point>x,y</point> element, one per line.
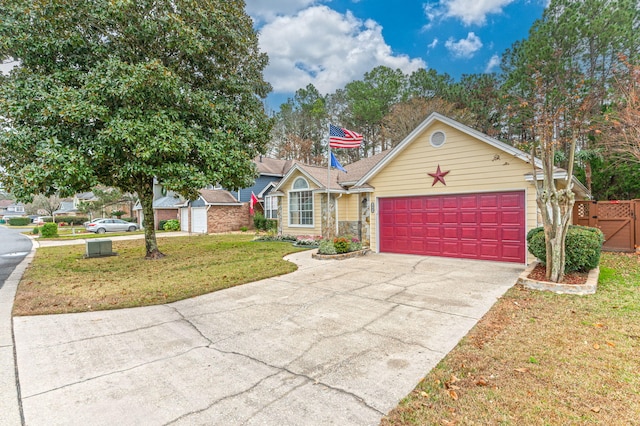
<point>539,273</point>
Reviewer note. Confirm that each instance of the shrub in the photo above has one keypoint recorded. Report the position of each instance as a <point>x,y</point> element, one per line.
<point>162,223</point>
<point>583,247</point>
<point>118,214</point>
<point>49,230</point>
<point>19,221</point>
<point>243,228</point>
<point>326,247</point>
<point>171,225</point>
<point>35,230</point>
<point>342,244</point>
<point>259,221</point>
<point>130,219</point>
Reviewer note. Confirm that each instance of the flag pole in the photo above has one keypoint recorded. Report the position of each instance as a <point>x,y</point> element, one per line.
<point>328,178</point>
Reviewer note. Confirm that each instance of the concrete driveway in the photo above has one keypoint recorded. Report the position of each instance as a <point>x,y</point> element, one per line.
<point>336,342</point>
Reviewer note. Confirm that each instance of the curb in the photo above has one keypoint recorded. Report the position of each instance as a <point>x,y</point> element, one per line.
<point>10,403</point>
<point>589,287</point>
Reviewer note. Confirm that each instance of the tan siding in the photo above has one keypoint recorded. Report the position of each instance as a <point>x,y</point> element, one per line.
<point>300,230</point>
<point>473,166</point>
<point>349,208</point>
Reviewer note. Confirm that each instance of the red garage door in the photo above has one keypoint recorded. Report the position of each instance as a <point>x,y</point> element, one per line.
<point>489,226</point>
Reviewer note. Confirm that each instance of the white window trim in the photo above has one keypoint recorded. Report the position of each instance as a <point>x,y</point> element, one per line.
<point>307,189</point>
<point>269,201</point>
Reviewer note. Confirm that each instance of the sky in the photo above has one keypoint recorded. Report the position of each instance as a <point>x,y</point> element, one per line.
<point>330,43</point>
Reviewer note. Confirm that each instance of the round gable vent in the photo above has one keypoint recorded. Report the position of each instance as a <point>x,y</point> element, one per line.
<point>437,139</point>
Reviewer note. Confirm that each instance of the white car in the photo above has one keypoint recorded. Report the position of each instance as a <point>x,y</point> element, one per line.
<point>100,226</point>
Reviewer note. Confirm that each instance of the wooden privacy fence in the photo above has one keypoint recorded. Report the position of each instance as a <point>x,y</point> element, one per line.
<point>619,221</point>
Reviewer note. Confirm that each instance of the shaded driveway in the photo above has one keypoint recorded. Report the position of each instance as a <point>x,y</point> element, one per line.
<point>336,342</point>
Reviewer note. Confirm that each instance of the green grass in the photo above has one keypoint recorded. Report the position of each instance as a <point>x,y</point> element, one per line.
<point>540,358</point>
<point>60,280</point>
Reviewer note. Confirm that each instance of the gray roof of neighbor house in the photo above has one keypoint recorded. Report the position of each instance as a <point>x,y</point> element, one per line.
<point>86,196</point>
<point>272,166</point>
<point>168,202</point>
<point>6,203</point>
<point>217,196</point>
<point>66,206</point>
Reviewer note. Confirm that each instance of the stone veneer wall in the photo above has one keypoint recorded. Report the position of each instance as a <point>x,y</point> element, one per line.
<point>349,228</point>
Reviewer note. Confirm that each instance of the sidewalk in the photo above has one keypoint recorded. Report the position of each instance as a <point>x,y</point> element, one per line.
<point>10,405</point>
<point>10,408</point>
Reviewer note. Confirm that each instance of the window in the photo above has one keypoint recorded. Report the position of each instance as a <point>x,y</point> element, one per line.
<point>271,207</point>
<point>300,204</point>
<point>437,139</point>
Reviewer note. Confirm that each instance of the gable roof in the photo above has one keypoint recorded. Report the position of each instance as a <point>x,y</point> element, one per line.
<point>558,172</point>
<point>217,196</point>
<point>358,169</point>
<point>272,166</point>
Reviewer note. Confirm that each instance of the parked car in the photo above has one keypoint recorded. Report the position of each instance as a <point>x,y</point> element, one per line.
<point>100,226</point>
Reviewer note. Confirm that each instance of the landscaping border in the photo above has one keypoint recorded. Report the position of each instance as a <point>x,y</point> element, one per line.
<point>340,256</point>
<point>589,287</point>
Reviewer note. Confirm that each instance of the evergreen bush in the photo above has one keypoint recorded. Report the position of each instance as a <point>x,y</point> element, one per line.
<point>583,247</point>
<point>171,225</point>
<point>49,230</point>
<point>19,221</point>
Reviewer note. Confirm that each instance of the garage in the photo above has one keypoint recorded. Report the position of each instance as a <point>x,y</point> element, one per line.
<point>199,220</point>
<point>486,226</point>
<point>184,219</point>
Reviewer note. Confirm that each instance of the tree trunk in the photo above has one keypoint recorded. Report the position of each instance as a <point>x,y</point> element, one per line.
<point>146,200</point>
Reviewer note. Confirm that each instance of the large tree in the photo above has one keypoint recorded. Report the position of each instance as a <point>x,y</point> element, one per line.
<point>121,92</point>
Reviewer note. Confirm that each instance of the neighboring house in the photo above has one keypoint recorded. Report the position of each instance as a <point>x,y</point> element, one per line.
<point>9,208</point>
<point>270,171</point>
<point>68,207</point>
<point>166,206</point>
<point>445,190</point>
<point>220,210</point>
<point>216,210</point>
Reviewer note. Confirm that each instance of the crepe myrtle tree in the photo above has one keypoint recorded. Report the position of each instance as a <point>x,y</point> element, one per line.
<point>118,93</point>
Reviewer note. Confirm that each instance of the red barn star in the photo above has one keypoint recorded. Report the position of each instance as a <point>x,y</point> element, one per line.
<point>438,176</point>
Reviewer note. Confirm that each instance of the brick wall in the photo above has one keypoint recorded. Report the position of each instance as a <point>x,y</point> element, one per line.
<point>166,214</point>
<point>228,218</point>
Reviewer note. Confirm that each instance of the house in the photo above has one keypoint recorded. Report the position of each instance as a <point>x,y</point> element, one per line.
<point>9,208</point>
<point>220,210</point>
<point>445,190</point>
<point>166,206</point>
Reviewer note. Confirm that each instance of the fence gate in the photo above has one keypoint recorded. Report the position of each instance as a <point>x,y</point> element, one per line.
<point>618,221</point>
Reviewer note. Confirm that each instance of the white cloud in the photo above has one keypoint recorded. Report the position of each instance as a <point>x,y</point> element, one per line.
<point>325,48</point>
<point>464,48</point>
<point>268,10</point>
<point>468,11</point>
<point>433,44</point>
<point>494,62</point>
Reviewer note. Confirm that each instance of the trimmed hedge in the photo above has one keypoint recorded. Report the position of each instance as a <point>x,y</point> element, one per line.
<point>583,247</point>
<point>71,220</point>
<point>19,221</point>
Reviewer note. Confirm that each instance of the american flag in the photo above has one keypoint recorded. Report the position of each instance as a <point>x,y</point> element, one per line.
<point>343,138</point>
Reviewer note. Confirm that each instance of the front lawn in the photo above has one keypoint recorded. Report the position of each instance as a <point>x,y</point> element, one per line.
<point>537,358</point>
<point>60,280</point>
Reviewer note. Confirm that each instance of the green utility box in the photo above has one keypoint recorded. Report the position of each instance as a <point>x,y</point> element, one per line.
<point>99,248</point>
